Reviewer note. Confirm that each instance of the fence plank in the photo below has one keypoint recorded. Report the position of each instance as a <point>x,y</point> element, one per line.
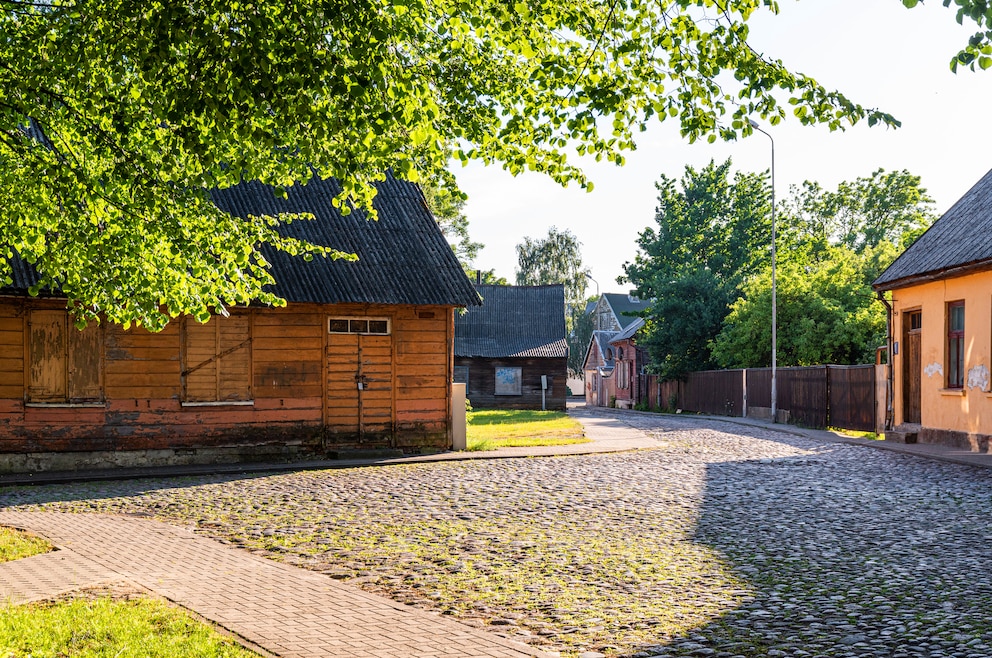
<point>719,392</point>
<point>852,397</point>
<point>815,396</point>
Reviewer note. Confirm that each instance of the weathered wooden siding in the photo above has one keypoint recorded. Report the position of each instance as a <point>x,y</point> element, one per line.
<point>481,390</point>
<point>261,376</point>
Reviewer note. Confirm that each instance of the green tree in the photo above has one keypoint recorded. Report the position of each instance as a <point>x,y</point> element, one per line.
<point>580,328</point>
<point>827,313</point>
<point>556,258</point>
<point>448,206</point>
<point>883,207</point>
<point>137,109</point>
<point>834,244</point>
<point>713,231</point>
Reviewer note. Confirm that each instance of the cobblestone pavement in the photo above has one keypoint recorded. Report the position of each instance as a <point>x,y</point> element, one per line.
<point>722,541</point>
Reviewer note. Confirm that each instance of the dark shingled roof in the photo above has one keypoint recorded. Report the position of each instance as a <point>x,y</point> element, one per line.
<point>623,305</point>
<point>960,240</point>
<point>514,321</point>
<point>403,257</point>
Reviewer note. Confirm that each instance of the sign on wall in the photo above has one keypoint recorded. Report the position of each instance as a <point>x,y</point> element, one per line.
<point>508,381</point>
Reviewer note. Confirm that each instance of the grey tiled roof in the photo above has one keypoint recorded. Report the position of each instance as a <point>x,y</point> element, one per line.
<point>624,308</point>
<point>403,257</point>
<point>514,321</point>
<point>961,238</point>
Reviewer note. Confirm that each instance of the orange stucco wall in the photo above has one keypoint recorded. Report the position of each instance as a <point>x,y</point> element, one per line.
<point>964,410</point>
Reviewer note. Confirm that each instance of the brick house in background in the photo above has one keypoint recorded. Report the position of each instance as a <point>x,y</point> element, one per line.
<point>360,358</point>
<point>940,337</point>
<point>598,368</point>
<point>628,365</point>
<point>511,352</point>
<point>616,311</point>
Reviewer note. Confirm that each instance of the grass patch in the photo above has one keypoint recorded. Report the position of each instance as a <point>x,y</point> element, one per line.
<point>489,429</point>
<point>15,545</point>
<point>103,627</point>
<point>874,436</point>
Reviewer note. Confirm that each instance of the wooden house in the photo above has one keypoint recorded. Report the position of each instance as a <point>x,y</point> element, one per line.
<point>628,365</point>
<point>940,328</point>
<point>511,352</point>
<point>598,367</point>
<point>360,358</point>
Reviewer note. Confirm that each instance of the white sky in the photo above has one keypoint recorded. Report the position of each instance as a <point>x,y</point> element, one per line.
<point>876,51</point>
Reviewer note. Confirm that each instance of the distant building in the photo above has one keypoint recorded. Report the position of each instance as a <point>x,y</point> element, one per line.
<point>511,352</point>
<point>616,311</point>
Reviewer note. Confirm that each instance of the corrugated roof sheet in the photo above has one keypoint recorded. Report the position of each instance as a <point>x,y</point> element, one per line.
<point>514,321</point>
<point>403,257</point>
<point>625,307</point>
<point>629,331</point>
<point>962,237</point>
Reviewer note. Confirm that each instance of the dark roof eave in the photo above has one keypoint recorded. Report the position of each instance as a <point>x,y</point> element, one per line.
<point>934,275</point>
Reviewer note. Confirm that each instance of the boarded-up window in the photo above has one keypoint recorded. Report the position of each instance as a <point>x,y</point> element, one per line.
<point>508,381</point>
<point>217,359</point>
<point>65,362</point>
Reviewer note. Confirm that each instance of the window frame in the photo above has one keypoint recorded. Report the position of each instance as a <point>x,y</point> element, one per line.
<point>955,346</point>
<point>351,319</point>
<point>220,351</point>
<point>516,390</point>
<point>68,360</point>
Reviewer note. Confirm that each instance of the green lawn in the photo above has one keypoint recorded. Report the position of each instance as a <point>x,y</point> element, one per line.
<point>85,628</point>
<point>15,544</point>
<point>489,429</point>
<point>90,626</point>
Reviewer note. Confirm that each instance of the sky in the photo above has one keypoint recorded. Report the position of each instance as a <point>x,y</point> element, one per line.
<point>877,52</point>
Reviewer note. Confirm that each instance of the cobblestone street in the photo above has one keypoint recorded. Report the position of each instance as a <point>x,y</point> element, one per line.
<point>725,540</point>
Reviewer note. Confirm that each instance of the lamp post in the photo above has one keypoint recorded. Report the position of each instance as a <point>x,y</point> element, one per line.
<point>589,276</point>
<point>754,124</point>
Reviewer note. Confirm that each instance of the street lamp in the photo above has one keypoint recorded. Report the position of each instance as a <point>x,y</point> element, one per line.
<point>754,124</point>
<point>589,276</point>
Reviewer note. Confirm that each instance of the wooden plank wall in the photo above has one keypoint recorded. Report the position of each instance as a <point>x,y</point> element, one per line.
<point>142,406</point>
<point>482,383</point>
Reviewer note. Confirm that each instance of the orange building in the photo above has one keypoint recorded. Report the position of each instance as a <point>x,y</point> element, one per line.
<point>939,292</point>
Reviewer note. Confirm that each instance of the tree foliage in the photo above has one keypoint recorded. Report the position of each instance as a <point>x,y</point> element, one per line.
<point>140,108</point>
<point>834,244</point>
<point>556,258</point>
<point>713,230</point>
<point>827,313</point>
<point>580,328</point>
<point>884,207</point>
<point>448,207</point>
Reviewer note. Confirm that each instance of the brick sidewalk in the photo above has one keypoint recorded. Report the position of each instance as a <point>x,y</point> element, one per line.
<point>283,609</point>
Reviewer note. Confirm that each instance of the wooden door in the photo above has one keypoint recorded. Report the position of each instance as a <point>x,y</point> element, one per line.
<point>359,386</point>
<point>911,370</point>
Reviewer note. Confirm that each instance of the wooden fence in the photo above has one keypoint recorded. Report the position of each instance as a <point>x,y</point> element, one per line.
<point>816,396</point>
